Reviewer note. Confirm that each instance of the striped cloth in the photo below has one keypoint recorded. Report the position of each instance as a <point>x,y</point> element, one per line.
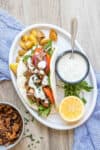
<point>87,136</point>
<point>9,28</point>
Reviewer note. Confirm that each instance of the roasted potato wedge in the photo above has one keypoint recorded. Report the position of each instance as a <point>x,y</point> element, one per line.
<point>22,44</point>
<point>33,39</point>
<point>18,59</point>
<point>34,32</point>
<point>44,41</point>
<point>40,35</point>
<point>25,38</point>
<point>21,52</point>
<point>53,35</point>
<point>29,44</point>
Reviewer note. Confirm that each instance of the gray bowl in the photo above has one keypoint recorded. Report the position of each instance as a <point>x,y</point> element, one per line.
<point>20,137</point>
<point>78,52</point>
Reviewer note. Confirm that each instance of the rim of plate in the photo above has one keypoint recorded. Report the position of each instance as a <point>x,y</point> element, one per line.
<point>44,122</point>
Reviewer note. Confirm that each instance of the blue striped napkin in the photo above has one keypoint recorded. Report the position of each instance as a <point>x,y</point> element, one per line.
<point>9,28</point>
<point>87,136</point>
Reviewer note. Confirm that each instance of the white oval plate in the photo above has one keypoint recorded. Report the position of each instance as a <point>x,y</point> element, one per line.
<point>63,43</point>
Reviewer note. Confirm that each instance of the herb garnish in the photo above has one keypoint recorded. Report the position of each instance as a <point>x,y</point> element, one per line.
<point>33,140</point>
<point>48,45</point>
<point>25,119</point>
<point>25,58</point>
<point>76,89</point>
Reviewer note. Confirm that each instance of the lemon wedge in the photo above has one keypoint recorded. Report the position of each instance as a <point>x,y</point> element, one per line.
<point>71,109</point>
<point>13,67</point>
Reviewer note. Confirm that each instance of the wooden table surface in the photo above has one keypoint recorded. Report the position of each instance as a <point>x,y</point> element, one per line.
<point>57,12</point>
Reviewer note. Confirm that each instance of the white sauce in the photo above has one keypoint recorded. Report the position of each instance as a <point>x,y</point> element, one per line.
<point>45,80</point>
<point>29,63</point>
<point>38,92</point>
<point>42,64</point>
<point>72,69</point>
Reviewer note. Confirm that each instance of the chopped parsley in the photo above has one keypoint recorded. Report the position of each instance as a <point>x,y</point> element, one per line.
<point>76,89</point>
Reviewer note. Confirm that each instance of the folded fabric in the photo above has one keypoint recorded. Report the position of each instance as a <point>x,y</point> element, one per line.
<point>87,136</point>
<point>9,28</point>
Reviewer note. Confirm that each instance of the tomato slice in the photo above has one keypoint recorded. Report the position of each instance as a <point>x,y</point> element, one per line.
<point>49,94</point>
<point>38,50</point>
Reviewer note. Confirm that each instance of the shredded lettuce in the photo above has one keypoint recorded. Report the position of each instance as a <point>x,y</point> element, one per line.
<point>48,48</point>
<point>43,111</point>
<point>25,58</point>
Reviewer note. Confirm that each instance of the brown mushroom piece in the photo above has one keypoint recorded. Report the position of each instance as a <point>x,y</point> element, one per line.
<point>14,116</point>
<point>30,94</point>
<point>10,124</point>
<point>15,127</point>
<point>11,136</point>
<point>27,74</point>
<point>38,101</point>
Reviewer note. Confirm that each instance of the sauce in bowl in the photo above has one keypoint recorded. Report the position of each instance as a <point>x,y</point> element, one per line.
<point>72,70</point>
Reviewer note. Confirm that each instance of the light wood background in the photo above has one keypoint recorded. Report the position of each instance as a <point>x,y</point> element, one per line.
<point>57,12</point>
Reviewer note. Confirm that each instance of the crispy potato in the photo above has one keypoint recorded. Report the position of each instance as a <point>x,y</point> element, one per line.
<point>29,44</point>
<point>34,32</point>
<point>53,35</point>
<point>25,38</point>
<point>18,59</point>
<point>13,67</point>
<point>21,52</point>
<point>35,42</point>
<point>37,34</point>
<point>33,39</point>
<point>44,41</point>
<point>40,35</point>
<point>22,44</point>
